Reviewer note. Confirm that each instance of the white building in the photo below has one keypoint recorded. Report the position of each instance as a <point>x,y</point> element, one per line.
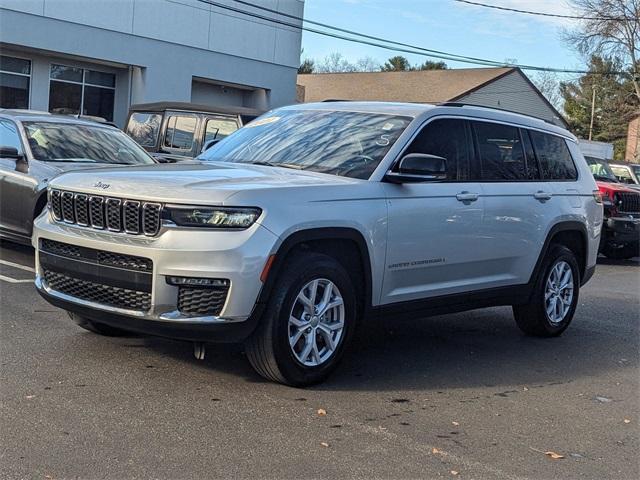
<point>98,57</point>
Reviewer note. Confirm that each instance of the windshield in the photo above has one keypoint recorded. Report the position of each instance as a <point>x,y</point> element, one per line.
<point>68,142</point>
<point>144,128</point>
<point>349,144</point>
<point>601,170</point>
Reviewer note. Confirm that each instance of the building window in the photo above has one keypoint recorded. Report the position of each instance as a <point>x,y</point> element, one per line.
<point>15,79</point>
<point>75,90</point>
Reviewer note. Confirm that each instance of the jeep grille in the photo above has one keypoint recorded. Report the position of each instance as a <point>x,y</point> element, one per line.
<point>113,214</point>
<point>629,202</point>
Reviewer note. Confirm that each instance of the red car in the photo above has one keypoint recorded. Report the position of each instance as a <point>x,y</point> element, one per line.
<point>621,226</point>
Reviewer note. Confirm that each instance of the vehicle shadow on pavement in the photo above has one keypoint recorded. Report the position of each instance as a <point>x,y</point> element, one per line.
<point>633,262</point>
<point>482,348</point>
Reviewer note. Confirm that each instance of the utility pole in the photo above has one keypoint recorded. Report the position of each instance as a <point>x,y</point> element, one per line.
<point>593,110</point>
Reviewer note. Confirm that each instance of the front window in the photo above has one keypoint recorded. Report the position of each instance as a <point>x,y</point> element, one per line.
<point>144,128</point>
<point>601,170</point>
<point>349,144</point>
<point>63,142</point>
<point>74,91</point>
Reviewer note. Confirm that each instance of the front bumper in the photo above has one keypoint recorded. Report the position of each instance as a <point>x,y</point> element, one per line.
<point>238,256</point>
<point>622,230</point>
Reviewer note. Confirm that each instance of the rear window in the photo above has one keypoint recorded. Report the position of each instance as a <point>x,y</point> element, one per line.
<point>144,128</point>
<point>554,157</point>
<point>501,153</point>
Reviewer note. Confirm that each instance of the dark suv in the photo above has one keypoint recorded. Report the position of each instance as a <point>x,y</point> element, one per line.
<point>175,131</point>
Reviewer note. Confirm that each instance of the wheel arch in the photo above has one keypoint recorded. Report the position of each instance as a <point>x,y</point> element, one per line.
<point>327,240</point>
<point>571,234</point>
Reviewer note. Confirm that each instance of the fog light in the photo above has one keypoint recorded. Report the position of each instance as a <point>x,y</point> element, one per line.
<point>198,282</point>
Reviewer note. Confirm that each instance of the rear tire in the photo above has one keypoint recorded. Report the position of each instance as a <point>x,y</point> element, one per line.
<point>99,328</point>
<point>299,341</point>
<point>555,297</point>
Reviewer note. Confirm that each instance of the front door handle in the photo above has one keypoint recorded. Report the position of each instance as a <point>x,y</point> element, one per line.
<point>542,196</point>
<point>467,197</point>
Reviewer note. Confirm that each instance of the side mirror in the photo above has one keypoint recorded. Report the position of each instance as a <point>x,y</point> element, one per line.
<point>10,152</point>
<point>419,167</point>
<point>210,144</point>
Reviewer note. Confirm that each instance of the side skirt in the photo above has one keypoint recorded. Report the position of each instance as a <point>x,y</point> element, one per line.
<point>459,302</point>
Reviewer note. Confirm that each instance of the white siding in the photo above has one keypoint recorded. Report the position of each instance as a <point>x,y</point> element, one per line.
<point>512,92</point>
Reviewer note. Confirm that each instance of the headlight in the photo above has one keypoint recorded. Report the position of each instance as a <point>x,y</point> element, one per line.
<point>213,217</point>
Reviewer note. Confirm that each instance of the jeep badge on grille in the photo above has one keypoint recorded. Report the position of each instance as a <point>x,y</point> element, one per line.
<point>101,185</point>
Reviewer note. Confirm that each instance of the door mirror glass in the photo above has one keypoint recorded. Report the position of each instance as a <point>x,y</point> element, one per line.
<point>10,152</point>
<point>419,167</point>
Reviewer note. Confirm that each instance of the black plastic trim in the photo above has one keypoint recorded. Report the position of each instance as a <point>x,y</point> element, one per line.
<point>232,332</point>
<point>315,234</point>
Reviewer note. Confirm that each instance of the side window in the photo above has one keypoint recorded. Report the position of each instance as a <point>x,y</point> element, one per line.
<point>622,174</point>
<point>554,156</point>
<point>180,130</point>
<point>218,128</point>
<point>9,136</point>
<point>446,138</point>
<point>500,151</point>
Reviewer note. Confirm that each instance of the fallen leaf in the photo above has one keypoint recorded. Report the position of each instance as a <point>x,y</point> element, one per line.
<point>626,420</point>
<point>29,397</point>
<point>322,412</point>
<point>525,389</point>
<point>455,423</point>
<point>554,455</point>
<point>454,472</point>
<point>324,444</point>
<point>435,451</point>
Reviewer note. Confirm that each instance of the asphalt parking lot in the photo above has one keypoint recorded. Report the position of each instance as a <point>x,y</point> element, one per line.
<point>457,396</point>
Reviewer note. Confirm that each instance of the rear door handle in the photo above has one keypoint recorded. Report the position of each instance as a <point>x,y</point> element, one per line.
<point>542,196</point>
<point>467,197</point>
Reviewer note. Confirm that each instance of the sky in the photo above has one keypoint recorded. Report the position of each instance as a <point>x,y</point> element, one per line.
<point>448,26</point>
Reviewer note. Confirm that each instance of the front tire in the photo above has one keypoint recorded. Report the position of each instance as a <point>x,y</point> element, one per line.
<point>555,296</point>
<point>308,322</point>
<point>98,328</point>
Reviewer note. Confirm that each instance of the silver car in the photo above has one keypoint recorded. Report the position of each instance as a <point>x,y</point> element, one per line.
<point>314,217</point>
<point>37,146</point>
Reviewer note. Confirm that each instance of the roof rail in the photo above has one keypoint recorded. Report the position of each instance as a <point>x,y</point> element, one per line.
<point>462,104</point>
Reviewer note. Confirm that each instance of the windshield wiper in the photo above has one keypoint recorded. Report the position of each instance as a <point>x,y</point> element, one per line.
<point>283,165</point>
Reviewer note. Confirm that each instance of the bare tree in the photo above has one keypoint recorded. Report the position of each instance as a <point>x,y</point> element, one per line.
<point>549,85</point>
<point>368,64</point>
<point>610,28</point>
<point>335,63</point>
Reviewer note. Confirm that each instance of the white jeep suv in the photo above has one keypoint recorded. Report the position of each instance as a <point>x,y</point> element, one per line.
<point>303,223</point>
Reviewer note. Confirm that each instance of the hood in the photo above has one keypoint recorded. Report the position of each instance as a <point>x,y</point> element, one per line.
<point>190,182</point>
<point>615,187</point>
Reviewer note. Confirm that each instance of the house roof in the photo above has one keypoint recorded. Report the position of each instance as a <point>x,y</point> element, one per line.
<point>423,86</point>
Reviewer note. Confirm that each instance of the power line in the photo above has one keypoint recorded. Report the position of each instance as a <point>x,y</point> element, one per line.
<point>542,14</point>
<point>415,50</point>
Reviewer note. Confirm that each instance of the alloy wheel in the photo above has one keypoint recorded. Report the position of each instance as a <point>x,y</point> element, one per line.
<point>558,295</point>
<point>316,322</point>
